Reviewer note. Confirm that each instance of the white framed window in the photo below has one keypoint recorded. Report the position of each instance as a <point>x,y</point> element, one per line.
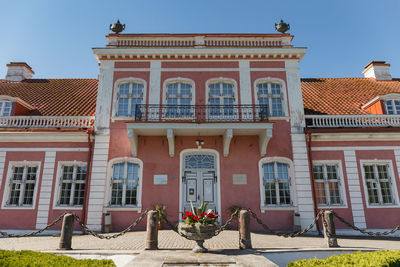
<point>129,96</point>
<point>221,99</point>
<point>379,183</point>
<point>5,108</point>
<point>392,106</point>
<point>21,190</point>
<point>125,183</point>
<point>71,184</point>
<point>328,181</point>
<point>270,96</point>
<point>275,183</point>
<point>179,99</point>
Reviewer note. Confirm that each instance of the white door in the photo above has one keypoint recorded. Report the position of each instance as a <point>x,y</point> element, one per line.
<point>199,186</point>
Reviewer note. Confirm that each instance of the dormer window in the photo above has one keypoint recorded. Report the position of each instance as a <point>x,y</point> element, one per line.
<point>5,108</point>
<point>392,106</point>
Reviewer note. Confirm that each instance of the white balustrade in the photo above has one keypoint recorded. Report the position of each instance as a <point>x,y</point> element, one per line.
<point>46,122</point>
<point>335,121</point>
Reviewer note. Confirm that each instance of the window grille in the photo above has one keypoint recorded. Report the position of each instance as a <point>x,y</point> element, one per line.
<point>270,98</point>
<point>327,184</point>
<point>276,183</point>
<point>22,185</point>
<point>72,185</point>
<point>124,184</point>
<point>379,184</point>
<point>129,95</point>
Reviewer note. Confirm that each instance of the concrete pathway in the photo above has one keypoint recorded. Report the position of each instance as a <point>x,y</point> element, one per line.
<point>175,250</point>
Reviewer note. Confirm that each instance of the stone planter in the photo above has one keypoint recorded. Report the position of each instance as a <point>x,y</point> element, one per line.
<point>198,233</point>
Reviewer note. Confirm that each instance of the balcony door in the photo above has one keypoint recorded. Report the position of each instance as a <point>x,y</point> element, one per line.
<point>199,181</point>
<point>221,101</point>
<point>179,99</point>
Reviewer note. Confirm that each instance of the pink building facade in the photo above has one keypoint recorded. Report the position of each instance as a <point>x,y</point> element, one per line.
<point>181,118</point>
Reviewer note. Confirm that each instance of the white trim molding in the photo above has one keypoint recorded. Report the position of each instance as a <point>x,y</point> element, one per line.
<point>6,192</point>
<point>392,182</point>
<point>117,83</point>
<point>107,199</point>
<point>56,195</point>
<point>218,173</point>
<point>291,181</point>
<point>342,184</point>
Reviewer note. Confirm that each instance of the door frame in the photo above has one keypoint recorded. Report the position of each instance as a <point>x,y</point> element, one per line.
<point>217,173</point>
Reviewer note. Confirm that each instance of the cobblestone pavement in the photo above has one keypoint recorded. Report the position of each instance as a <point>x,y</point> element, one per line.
<point>135,241</point>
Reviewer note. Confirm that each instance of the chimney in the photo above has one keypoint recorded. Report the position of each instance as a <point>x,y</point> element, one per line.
<point>378,70</point>
<point>18,71</point>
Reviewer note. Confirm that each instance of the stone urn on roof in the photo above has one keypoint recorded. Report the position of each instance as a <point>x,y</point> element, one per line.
<point>282,26</point>
<point>117,27</point>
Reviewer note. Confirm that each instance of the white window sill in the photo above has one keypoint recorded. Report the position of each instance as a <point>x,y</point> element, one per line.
<point>333,207</point>
<point>67,208</point>
<point>394,206</point>
<point>9,207</point>
<point>277,207</point>
<point>138,209</point>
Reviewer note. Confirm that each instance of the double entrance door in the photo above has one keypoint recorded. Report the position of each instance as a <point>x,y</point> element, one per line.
<point>199,186</point>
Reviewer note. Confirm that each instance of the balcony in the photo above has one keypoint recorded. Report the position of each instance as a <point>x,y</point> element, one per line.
<point>352,121</point>
<point>201,113</point>
<point>46,122</point>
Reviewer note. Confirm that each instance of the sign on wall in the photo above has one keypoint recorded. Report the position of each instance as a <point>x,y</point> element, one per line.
<point>240,179</point>
<point>160,178</point>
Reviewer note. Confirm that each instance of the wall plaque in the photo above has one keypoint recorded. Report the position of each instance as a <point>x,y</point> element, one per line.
<point>160,178</point>
<point>240,179</point>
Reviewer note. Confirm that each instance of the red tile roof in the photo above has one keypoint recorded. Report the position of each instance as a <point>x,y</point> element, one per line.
<point>55,97</point>
<point>343,95</point>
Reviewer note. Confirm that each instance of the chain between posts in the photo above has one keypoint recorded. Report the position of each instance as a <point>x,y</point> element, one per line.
<point>294,234</point>
<point>363,231</point>
<point>217,232</point>
<point>36,232</point>
<point>108,237</point>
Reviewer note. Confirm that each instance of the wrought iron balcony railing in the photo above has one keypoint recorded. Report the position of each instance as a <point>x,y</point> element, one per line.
<point>200,113</point>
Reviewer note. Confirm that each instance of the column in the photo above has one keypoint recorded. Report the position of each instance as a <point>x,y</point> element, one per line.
<point>302,180</point>
<point>353,180</point>
<point>155,82</point>
<point>45,190</point>
<point>98,182</point>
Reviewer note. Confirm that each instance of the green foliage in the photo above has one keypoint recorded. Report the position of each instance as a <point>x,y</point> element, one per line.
<point>161,211</point>
<point>26,258</point>
<point>373,259</point>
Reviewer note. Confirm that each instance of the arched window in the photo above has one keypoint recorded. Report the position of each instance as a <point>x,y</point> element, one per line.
<point>124,187</point>
<point>275,182</point>
<point>130,95</point>
<point>179,99</point>
<point>270,96</point>
<point>5,108</point>
<point>221,98</point>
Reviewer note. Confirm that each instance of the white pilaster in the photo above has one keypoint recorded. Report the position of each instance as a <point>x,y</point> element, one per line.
<point>98,182</point>
<point>45,190</point>
<point>295,98</point>
<point>104,96</point>
<point>2,163</point>
<point>302,180</point>
<point>353,180</point>
<point>245,86</point>
<point>155,82</point>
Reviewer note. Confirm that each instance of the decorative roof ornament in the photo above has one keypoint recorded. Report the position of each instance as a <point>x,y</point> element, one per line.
<point>117,27</point>
<point>282,27</point>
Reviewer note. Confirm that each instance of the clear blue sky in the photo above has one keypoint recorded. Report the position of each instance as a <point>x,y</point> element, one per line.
<point>56,37</point>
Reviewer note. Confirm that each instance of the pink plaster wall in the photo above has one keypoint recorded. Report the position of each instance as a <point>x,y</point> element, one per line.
<point>243,159</point>
<point>20,218</point>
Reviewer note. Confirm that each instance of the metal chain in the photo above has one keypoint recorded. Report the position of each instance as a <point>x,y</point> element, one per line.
<point>173,227</point>
<point>363,231</point>
<point>36,232</point>
<point>293,234</point>
<point>108,237</point>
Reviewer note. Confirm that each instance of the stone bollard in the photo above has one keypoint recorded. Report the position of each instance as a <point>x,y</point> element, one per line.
<point>244,230</point>
<point>66,232</point>
<point>329,230</point>
<point>152,230</point>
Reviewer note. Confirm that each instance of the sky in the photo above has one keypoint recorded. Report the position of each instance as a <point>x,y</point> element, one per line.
<point>55,37</point>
